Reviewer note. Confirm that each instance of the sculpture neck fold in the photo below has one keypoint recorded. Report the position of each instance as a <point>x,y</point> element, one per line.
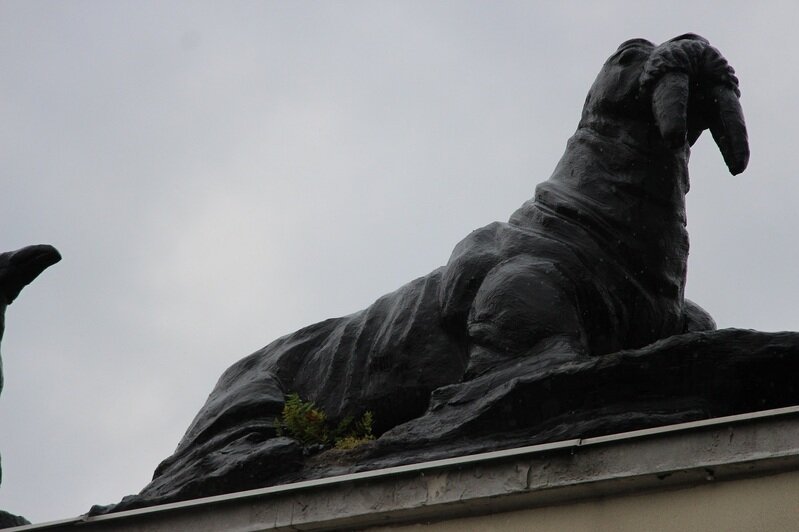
<point>627,196</point>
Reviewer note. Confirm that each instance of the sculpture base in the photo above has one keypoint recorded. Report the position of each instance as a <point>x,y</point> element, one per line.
<point>684,378</point>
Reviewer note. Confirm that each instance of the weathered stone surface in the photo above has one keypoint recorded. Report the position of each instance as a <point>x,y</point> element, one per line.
<point>502,345</point>
<point>238,464</point>
<point>681,378</point>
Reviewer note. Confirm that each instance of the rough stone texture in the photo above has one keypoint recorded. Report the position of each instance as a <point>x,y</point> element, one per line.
<point>501,346</point>
<point>17,269</point>
<point>8,520</point>
<point>681,378</point>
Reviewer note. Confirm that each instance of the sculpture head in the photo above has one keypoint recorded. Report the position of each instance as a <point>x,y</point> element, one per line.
<point>18,268</point>
<point>668,94</point>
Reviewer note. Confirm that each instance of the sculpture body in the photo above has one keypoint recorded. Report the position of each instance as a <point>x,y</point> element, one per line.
<point>594,264</point>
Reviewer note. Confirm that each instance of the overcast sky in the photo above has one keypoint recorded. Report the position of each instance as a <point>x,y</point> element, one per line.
<point>219,174</point>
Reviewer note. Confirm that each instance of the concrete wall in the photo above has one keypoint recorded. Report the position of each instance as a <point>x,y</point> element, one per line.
<point>765,504</point>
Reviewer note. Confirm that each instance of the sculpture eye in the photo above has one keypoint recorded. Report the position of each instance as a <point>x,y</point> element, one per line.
<point>628,56</point>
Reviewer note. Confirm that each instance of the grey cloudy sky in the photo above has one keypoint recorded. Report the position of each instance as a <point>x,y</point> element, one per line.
<point>217,174</point>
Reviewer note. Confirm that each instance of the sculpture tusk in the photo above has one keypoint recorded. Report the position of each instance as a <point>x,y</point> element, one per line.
<point>728,128</point>
<point>670,107</point>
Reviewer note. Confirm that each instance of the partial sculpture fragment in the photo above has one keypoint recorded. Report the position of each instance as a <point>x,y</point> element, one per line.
<point>18,269</point>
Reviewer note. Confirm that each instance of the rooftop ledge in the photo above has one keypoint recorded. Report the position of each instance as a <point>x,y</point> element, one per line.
<point>687,455</point>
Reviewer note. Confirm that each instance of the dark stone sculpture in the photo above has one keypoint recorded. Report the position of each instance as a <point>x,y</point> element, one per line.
<point>501,347</point>
<point>18,269</point>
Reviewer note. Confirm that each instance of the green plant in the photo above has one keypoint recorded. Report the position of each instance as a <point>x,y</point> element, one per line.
<point>307,424</point>
<point>351,433</point>
<point>302,421</point>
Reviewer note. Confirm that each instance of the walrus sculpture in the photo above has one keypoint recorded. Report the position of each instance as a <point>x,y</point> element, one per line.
<point>536,329</point>
<point>17,270</point>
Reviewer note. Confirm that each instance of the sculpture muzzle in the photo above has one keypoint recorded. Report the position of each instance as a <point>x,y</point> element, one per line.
<point>694,88</point>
